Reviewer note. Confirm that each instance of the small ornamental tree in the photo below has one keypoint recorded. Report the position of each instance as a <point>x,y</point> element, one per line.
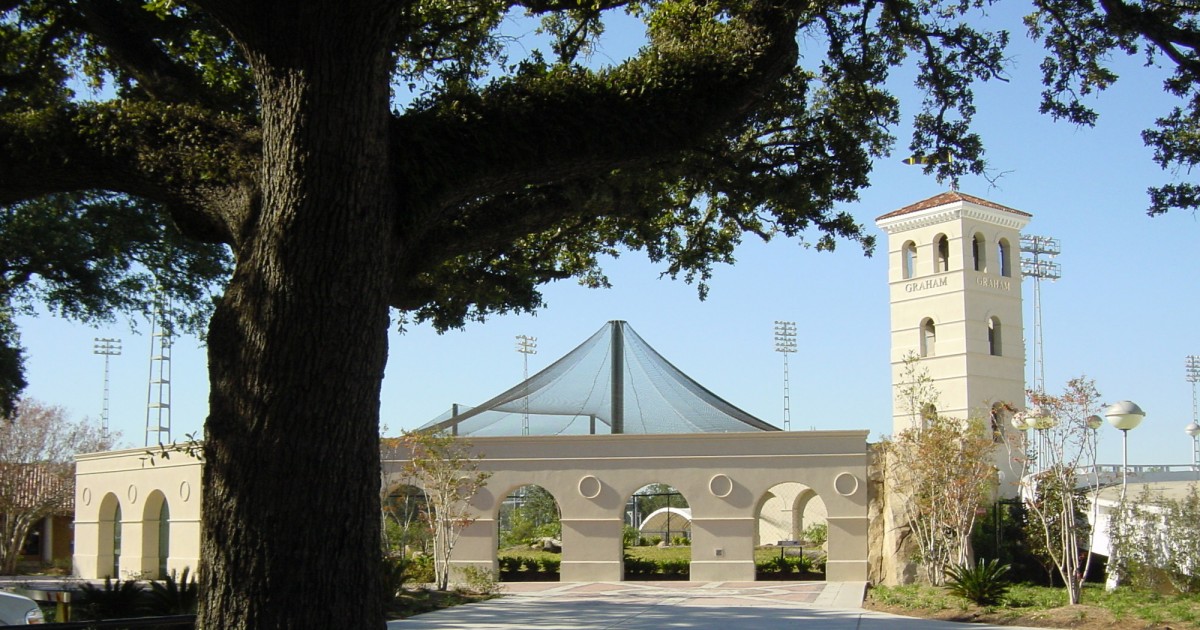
<point>37,470</point>
<point>447,471</point>
<point>1055,494</point>
<point>939,471</point>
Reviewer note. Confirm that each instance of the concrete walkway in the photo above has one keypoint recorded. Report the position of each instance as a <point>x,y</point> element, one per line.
<point>694,605</point>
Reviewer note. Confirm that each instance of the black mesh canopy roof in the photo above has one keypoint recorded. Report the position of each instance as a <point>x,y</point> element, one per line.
<point>612,383</point>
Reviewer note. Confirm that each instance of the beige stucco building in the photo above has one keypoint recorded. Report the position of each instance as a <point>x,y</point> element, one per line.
<point>138,519</point>
<point>727,479</point>
<point>954,278</point>
<point>955,297</point>
<point>136,515</point>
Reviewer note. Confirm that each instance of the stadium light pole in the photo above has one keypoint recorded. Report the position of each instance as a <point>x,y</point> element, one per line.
<point>526,345</point>
<point>785,343</point>
<point>1192,372</point>
<point>109,348</point>
<point>1039,267</point>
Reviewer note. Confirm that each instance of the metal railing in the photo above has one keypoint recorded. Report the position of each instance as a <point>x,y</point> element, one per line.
<point>174,622</point>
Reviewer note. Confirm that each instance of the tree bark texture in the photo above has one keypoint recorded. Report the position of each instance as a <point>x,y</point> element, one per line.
<point>298,343</point>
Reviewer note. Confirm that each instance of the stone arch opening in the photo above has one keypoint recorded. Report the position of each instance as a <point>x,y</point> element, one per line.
<point>406,535</point>
<point>658,534</point>
<point>995,345</point>
<point>156,535</point>
<point>908,262</point>
<point>793,519</point>
<point>1004,256</point>
<point>109,556</point>
<point>928,338</point>
<point>529,535</point>
<point>941,253</point>
<point>979,252</point>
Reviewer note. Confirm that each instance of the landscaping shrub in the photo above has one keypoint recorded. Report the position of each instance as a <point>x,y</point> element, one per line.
<point>675,566</point>
<point>681,541</point>
<point>419,569</point>
<point>549,564</point>
<point>395,574</point>
<point>114,600</point>
<point>479,580</point>
<point>173,597</point>
<point>510,564</point>
<point>630,537</point>
<point>638,566</point>
<point>816,534</point>
<point>796,564</point>
<point>985,583</point>
<point>652,540</point>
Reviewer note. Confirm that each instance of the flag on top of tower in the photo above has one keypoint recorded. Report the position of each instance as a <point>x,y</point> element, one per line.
<point>941,157</point>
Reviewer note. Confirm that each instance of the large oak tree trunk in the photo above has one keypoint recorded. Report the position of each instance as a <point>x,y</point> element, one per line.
<point>298,344</point>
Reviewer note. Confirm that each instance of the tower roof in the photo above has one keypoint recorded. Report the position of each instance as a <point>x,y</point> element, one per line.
<point>946,198</point>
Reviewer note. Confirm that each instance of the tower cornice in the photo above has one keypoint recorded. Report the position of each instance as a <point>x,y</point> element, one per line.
<point>951,206</point>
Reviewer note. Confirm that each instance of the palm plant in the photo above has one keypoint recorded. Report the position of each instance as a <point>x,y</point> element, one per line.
<point>172,596</point>
<point>985,583</point>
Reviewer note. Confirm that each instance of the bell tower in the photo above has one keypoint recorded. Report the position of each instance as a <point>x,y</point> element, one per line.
<point>954,276</point>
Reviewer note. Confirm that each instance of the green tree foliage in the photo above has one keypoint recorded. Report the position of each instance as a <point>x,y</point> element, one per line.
<point>529,514</point>
<point>12,364</point>
<point>282,131</point>
<point>91,256</point>
<point>1081,38</point>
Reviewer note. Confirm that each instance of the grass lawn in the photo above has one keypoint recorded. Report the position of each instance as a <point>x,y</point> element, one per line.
<point>1039,606</point>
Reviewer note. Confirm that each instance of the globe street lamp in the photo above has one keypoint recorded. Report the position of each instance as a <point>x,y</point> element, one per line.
<point>1041,420</point>
<point>1124,415</point>
<point>1094,422</point>
<point>1023,421</point>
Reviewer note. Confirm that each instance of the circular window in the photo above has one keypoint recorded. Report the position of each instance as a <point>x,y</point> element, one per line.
<point>589,487</point>
<point>845,484</point>
<point>720,486</point>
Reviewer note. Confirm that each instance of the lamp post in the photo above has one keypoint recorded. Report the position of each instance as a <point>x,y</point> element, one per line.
<point>1124,415</point>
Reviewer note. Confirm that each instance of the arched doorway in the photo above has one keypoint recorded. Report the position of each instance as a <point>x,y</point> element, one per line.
<point>792,532</point>
<point>529,535</point>
<point>407,538</point>
<point>658,534</point>
<point>109,557</point>
<point>156,534</point>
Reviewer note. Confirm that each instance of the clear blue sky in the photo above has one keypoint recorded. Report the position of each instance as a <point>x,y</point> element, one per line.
<point>1124,312</point>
